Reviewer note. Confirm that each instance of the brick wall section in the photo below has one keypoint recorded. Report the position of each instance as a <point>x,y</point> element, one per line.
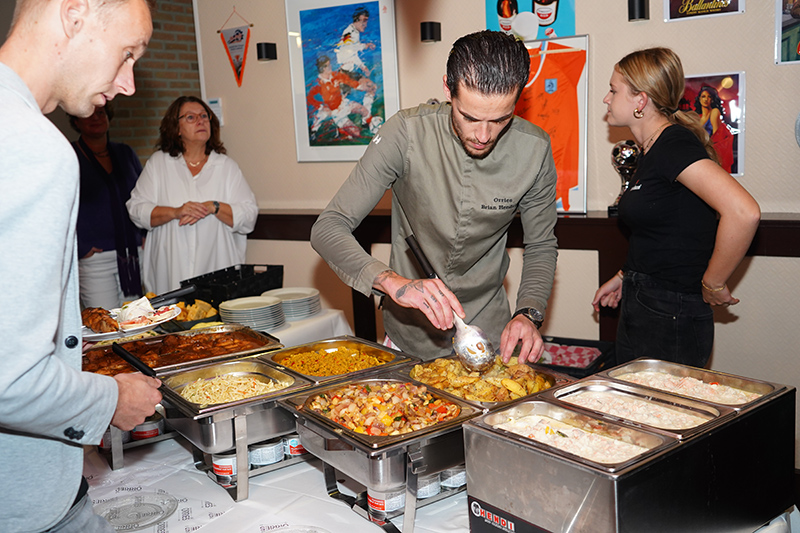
<point>168,69</point>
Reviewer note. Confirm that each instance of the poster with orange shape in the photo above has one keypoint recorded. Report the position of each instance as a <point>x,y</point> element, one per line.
<point>555,99</point>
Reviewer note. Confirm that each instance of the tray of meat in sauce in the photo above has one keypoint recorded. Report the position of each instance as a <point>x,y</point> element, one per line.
<point>180,350</point>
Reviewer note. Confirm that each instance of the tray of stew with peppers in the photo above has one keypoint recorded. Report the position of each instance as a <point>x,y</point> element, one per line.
<point>386,410</point>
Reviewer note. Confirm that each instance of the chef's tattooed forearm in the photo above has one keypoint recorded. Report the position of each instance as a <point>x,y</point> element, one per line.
<point>383,276</point>
<point>415,285</point>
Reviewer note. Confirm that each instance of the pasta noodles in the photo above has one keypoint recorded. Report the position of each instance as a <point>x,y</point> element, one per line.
<point>227,388</point>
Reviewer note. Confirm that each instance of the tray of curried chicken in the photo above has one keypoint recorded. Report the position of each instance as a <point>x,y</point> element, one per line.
<point>179,350</point>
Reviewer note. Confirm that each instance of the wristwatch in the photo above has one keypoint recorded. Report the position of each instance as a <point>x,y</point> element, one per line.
<point>532,314</point>
<point>216,206</point>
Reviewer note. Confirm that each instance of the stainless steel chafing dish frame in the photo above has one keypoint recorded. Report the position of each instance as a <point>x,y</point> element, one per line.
<point>715,414</point>
<point>370,444</point>
<point>221,427</point>
<point>765,388</point>
<point>270,344</point>
<point>654,442</point>
<point>398,358</point>
<point>711,482</point>
<point>732,477</point>
<point>395,463</point>
<point>174,381</point>
<point>554,378</point>
<point>116,456</point>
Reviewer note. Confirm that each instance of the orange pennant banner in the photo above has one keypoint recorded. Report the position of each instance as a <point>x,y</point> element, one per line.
<point>236,41</point>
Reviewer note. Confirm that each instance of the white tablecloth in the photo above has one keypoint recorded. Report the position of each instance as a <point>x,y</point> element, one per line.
<point>324,325</point>
<point>290,497</point>
<point>280,501</point>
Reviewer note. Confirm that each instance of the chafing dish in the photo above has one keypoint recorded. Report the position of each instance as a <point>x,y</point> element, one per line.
<point>731,476</point>
<point>551,377</point>
<point>221,427</point>
<point>265,343</point>
<point>175,361</point>
<point>655,406</point>
<point>381,463</point>
<point>648,442</point>
<point>763,388</point>
<point>390,358</point>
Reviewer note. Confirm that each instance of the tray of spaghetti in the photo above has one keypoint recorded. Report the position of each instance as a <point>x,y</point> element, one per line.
<point>202,402</point>
<point>179,350</point>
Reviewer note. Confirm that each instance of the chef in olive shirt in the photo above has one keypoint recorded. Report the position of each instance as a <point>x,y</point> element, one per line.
<point>459,172</point>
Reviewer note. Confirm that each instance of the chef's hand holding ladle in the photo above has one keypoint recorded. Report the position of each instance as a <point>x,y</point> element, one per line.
<point>470,343</point>
<point>430,296</point>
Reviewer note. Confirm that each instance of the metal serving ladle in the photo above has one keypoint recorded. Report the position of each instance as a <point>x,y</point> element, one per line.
<point>470,343</point>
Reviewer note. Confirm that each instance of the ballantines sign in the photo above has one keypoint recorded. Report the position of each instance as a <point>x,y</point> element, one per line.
<point>693,8</point>
<point>702,7</point>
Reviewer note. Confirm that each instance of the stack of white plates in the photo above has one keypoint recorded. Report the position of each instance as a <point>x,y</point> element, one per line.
<point>262,313</point>
<point>298,302</point>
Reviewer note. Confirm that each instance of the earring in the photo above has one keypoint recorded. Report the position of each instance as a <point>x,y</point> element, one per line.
<point>637,113</point>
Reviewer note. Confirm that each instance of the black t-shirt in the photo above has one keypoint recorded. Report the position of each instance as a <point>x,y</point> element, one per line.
<point>672,229</point>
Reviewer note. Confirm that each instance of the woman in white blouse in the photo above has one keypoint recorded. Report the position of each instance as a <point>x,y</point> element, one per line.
<point>192,199</point>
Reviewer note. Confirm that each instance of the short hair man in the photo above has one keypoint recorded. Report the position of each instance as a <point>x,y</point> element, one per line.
<point>76,54</point>
<point>459,172</point>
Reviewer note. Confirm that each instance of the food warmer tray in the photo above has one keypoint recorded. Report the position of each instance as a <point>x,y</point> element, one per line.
<point>712,414</point>
<point>392,358</point>
<point>381,463</point>
<point>233,425</point>
<point>267,343</point>
<point>733,477</point>
<point>552,377</point>
<point>764,388</point>
<point>116,455</point>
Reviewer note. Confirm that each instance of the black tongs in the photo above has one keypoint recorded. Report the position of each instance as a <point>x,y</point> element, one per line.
<point>171,297</point>
<point>132,360</point>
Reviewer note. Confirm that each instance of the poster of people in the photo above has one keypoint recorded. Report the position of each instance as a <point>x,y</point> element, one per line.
<point>532,19</point>
<point>719,100</point>
<point>787,31</point>
<point>344,75</point>
<point>555,99</point>
<point>683,9</point>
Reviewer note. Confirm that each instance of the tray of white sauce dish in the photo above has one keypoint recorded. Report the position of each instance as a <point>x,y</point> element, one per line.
<point>711,386</point>
<point>679,417</point>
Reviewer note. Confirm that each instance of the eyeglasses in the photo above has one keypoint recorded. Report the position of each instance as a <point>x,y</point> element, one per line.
<point>191,118</point>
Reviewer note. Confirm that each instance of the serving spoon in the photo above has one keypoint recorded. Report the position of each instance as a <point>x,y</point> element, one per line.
<point>470,343</point>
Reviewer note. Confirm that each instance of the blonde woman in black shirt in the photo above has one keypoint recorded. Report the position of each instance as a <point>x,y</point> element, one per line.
<point>691,222</point>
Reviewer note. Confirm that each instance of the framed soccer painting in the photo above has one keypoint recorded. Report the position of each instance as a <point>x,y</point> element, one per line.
<point>343,61</point>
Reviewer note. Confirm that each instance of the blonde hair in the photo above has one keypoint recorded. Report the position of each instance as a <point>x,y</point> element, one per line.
<point>658,73</point>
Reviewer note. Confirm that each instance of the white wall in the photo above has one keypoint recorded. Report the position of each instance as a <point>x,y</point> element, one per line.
<point>757,338</point>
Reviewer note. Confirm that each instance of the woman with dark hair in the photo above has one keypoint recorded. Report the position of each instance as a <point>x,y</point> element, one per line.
<point>708,105</point>
<point>690,221</point>
<point>108,242</point>
<point>192,199</point>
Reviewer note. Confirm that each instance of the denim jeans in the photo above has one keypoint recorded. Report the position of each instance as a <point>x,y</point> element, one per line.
<point>663,324</point>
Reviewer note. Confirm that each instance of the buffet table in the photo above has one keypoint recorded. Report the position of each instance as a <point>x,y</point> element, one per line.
<point>283,500</point>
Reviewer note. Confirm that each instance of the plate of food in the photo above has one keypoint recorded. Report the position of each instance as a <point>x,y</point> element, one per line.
<point>134,317</point>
